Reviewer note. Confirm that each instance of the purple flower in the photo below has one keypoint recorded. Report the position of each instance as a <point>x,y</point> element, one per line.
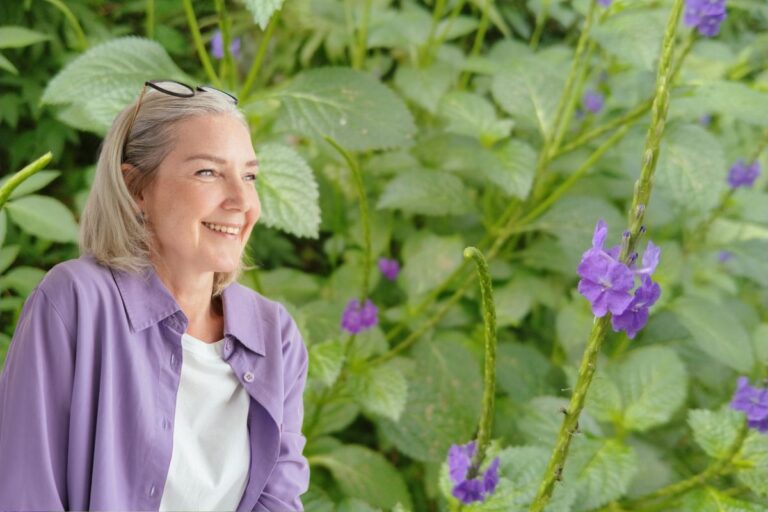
<point>605,3</point>
<point>705,120</point>
<point>605,281</point>
<point>752,401</point>
<point>357,319</point>
<point>705,15</point>
<point>743,175</point>
<point>724,256</point>
<point>475,489</point>
<point>650,259</point>
<point>593,101</point>
<point>389,267</point>
<point>635,316</point>
<point>217,46</point>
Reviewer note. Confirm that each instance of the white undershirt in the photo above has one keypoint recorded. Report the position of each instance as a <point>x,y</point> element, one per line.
<point>211,450</point>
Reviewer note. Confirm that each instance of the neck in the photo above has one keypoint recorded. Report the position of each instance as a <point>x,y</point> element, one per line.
<point>192,292</point>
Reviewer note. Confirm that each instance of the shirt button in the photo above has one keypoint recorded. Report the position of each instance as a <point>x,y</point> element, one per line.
<point>152,490</point>
<point>166,424</point>
<point>248,377</point>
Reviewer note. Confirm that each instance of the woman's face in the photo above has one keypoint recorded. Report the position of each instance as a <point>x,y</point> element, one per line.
<point>204,186</point>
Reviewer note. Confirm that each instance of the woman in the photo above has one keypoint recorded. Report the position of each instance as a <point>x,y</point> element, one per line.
<point>141,376</point>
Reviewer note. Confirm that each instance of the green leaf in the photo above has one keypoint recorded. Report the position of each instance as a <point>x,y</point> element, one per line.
<point>542,417</point>
<point>107,77</point>
<point>262,10</point>
<point>715,431</point>
<point>367,475</point>
<point>529,90</point>
<point>17,37</point>
<point>443,406</point>
<point>353,108</point>
<point>338,411</point>
<point>633,36</point>
<point>599,471</point>
<point>325,360</point>
<point>22,280</point>
<point>3,226</point>
<point>426,193</point>
<point>381,391</point>
<point>7,65</point>
<point>692,168</point>
<point>731,99</point>
<point>33,183</point>
<point>710,499</point>
<point>471,114</point>
<point>44,217</point>
<point>8,256</point>
<point>652,382</point>
<point>715,331</point>
<point>515,174</point>
<point>521,371</point>
<point>604,398</point>
<point>425,86</point>
<point>759,339</point>
<point>428,260</point>
<point>754,455</point>
<point>288,192</point>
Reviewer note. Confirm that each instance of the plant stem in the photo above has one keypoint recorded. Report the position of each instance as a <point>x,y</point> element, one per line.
<point>259,58</point>
<point>227,69</point>
<point>364,214</point>
<point>478,43</point>
<point>82,41</point>
<point>489,375</point>
<point>640,198</point>
<point>194,29</point>
<point>149,27</point>
<point>360,47</point>
<point>17,179</point>
<point>539,28</point>
<point>425,56</point>
<point>715,469</point>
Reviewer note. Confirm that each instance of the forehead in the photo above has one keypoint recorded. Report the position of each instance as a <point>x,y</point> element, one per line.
<point>223,136</point>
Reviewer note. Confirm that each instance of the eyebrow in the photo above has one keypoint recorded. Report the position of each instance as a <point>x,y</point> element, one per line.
<point>215,159</point>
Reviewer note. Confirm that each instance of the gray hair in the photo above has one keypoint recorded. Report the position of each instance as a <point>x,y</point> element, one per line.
<point>111,230</point>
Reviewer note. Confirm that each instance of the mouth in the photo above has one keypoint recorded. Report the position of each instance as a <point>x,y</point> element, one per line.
<point>231,232</point>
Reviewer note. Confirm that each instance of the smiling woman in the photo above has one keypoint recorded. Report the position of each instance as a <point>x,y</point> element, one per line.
<point>142,376</point>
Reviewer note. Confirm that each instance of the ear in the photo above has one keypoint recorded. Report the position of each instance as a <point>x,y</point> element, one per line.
<point>130,174</point>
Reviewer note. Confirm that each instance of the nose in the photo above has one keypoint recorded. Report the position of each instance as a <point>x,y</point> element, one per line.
<point>238,196</point>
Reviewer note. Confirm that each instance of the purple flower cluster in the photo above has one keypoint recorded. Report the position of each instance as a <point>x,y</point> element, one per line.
<point>474,489</point>
<point>357,318</point>
<point>742,174</point>
<point>217,46</point>
<point>705,15</point>
<point>605,3</point>
<point>593,101</point>
<point>389,267</point>
<point>754,402</point>
<point>608,283</point>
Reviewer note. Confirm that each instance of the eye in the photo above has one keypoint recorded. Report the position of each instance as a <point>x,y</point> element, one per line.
<point>204,172</point>
<point>251,177</point>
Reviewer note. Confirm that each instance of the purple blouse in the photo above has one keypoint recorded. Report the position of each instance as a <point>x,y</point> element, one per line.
<point>88,393</point>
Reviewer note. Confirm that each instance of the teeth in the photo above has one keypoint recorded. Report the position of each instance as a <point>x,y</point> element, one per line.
<point>222,229</point>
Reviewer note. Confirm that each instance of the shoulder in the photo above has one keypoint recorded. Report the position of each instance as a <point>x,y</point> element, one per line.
<point>71,282</point>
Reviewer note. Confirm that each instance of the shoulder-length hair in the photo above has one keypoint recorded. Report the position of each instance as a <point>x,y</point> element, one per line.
<point>111,229</point>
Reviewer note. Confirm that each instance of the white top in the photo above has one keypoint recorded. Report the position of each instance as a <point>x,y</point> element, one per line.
<point>211,449</point>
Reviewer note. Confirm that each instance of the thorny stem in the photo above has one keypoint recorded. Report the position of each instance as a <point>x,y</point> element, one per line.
<point>641,196</point>
<point>17,179</point>
<point>489,375</point>
<point>259,58</point>
<point>715,469</point>
<point>199,46</point>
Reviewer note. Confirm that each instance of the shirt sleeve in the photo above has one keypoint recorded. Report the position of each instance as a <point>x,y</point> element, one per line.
<point>290,477</point>
<point>35,397</point>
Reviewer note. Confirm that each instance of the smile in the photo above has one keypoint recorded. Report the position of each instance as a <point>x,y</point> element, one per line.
<point>228,231</point>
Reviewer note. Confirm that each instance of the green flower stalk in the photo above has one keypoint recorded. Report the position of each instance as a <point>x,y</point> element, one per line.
<point>194,29</point>
<point>18,178</point>
<point>641,196</point>
<point>489,379</point>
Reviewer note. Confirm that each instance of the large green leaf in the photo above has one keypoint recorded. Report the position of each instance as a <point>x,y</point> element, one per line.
<point>17,37</point>
<point>753,460</point>
<point>365,474</point>
<point>471,114</point>
<point>7,65</point>
<point>633,36</point>
<point>107,77</point>
<point>710,499</point>
<point>44,217</point>
<point>425,192</point>
<point>262,10</point>
<point>325,361</point>
<point>692,168</point>
<point>522,371</point>
<point>3,226</point>
<point>733,99</point>
<point>21,279</point>
<point>381,390</point>
<point>599,471</point>
<point>353,108</point>
<point>715,431</point>
<point>716,331</point>
<point>429,259</point>
<point>32,184</point>
<point>425,86</point>
<point>652,382</point>
<point>288,191</point>
<point>443,407</point>
<point>338,411</point>
<point>529,90</point>
<point>8,256</point>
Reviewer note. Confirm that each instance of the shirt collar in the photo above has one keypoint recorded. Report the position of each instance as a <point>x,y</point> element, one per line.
<point>147,301</point>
